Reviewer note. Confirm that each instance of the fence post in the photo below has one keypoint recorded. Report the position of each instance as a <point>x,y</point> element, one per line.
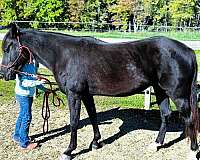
<point>135,27</point>
<point>129,26</point>
<point>147,98</point>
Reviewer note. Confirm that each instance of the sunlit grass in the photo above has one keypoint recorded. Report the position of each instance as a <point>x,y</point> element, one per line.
<point>137,35</point>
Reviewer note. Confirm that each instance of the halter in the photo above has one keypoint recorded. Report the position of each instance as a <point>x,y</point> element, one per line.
<point>21,54</point>
<point>21,49</point>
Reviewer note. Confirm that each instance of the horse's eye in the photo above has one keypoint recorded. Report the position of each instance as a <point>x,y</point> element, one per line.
<point>7,49</point>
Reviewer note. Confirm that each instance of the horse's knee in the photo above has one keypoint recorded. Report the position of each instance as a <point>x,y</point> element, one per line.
<point>183,107</point>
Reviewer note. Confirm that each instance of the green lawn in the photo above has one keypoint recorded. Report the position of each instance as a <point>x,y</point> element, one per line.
<point>0,49</point>
<point>133,35</point>
<point>138,35</point>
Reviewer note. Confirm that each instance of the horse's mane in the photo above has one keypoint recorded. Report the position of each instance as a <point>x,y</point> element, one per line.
<point>5,37</point>
<point>89,38</point>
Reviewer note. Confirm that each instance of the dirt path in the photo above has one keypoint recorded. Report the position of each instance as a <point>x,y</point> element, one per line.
<point>126,134</point>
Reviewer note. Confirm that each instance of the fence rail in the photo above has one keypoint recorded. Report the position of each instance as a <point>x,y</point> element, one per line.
<point>102,27</point>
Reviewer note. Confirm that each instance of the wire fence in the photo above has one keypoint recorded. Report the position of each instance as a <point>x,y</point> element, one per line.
<point>101,27</point>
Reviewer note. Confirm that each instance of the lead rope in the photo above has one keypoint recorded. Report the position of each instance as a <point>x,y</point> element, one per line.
<point>45,112</point>
<point>45,106</point>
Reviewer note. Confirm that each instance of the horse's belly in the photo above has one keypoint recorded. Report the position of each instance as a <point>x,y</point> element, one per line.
<point>117,88</point>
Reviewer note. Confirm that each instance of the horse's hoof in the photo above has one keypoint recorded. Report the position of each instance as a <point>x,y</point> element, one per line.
<point>65,157</point>
<point>96,146</point>
<point>192,155</point>
<point>153,147</point>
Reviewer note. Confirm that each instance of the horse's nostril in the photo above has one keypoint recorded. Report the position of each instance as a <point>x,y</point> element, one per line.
<point>1,75</point>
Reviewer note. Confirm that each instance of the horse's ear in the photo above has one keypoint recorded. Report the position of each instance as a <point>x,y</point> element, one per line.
<point>14,30</point>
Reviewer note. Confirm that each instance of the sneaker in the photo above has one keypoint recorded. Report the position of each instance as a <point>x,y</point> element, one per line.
<point>15,138</point>
<point>31,146</point>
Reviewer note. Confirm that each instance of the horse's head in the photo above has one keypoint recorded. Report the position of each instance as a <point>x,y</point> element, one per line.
<point>13,55</point>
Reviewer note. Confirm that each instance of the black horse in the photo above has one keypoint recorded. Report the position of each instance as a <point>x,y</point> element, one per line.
<point>84,67</point>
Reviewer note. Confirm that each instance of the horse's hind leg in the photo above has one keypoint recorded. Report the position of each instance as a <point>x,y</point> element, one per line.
<point>165,111</point>
<point>90,107</point>
<point>183,106</point>
<point>191,118</point>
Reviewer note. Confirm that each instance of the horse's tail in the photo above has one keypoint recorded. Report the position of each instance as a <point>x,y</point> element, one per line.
<point>193,99</point>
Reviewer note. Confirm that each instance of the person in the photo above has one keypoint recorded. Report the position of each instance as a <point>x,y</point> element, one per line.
<point>24,90</point>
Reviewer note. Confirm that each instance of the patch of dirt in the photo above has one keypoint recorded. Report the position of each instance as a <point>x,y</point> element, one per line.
<point>126,135</point>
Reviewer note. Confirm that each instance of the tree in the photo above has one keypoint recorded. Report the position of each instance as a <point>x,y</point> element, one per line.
<point>44,10</point>
<point>90,13</point>
<point>8,11</point>
<point>75,11</point>
<point>99,12</point>
<point>181,11</point>
<point>123,10</point>
<point>33,10</point>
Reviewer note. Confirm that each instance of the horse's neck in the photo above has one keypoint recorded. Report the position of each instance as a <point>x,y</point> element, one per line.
<point>42,54</point>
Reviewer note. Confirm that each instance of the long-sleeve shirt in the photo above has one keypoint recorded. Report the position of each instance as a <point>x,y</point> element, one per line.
<point>25,84</point>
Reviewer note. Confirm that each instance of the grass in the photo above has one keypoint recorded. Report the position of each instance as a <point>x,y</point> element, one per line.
<point>7,91</point>
<point>138,35</point>
<point>187,35</point>
<point>0,49</point>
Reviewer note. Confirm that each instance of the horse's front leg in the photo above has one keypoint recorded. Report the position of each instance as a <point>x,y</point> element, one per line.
<point>91,110</point>
<point>74,102</point>
<point>165,112</point>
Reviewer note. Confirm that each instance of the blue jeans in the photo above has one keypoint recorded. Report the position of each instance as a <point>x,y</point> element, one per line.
<point>23,121</point>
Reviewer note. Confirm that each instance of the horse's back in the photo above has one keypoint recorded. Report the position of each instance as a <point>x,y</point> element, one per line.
<point>118,69</point>
<point>126,68</point>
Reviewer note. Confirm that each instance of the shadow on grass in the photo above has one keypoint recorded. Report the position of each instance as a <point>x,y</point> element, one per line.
<point>133,119</point>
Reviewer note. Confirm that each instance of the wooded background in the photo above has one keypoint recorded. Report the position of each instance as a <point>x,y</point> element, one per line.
<point>120,13</point>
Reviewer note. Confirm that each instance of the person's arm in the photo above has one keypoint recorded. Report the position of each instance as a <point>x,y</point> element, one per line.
<point>31,83</point>
<point>34,83</point>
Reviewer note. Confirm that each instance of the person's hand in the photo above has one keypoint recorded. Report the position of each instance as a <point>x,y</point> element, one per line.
<point>48,91</point>
<point>38,77</point>
<point>43,81</point>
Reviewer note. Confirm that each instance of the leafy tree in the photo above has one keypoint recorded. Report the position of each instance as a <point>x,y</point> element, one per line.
<point>121,12</point>
<point>197,13</point>
<point>45,10</point>
<point>117,12</point>
<point>8,11</point>
<point>75,11</point>
<point>90,13</point>
<point>181,11</point>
